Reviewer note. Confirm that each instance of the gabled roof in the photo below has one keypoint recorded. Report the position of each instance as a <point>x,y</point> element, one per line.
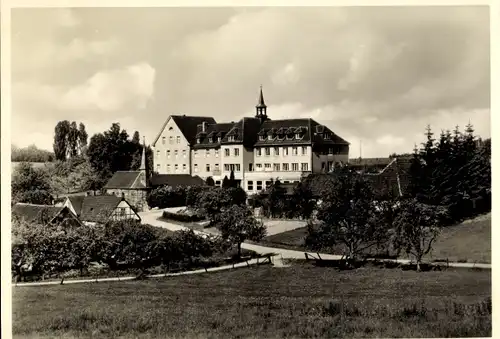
<point>247,129</point>
<point>176,180</point>
<point>213,131</point>
<point>188,125</point>
<point>126,180</point>
<point>38,213</point>
<point>96,208</point>
<point>44,214</point>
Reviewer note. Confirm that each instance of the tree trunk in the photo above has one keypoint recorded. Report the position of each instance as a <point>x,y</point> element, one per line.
<point>239,250</point>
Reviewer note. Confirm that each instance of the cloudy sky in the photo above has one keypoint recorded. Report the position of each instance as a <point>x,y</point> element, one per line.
<point>373,75</point>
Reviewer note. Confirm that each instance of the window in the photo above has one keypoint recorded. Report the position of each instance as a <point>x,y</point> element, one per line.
<point>258,166</point>
<point>232,167</point>
<point>270,137</point>
<point>196,153</point>
<point>250,167</point>
<point>168,153</point>
<point>216,167</point>
<point>163,140</point>
<point>297,136</point>
<point>236,152</point>
<point>330,150</point>
<point>285,150</point>
<point>286,182</point>
<point>184,168</point>
<point>304,166</point>
<point>327,136</point>
<point>171,140</point>
<point>285,167</point>
<point>227,152</point>
<point>295,151</point>
<point>267,166</point>
<point>304,150</point>
<point>123,211</point>
<point>176,152</point>
<point>158,153</point>
<point>198,140</point>
<point>184,153</point>
<point>276,151</point>
<point>238,167</point>
<point>219,139</point>
<point>259,185</point>
<point>207,153</point>
<point>250,185</point>
<point>216,153</point>
<point>210,140</point>
<point>168,168</point>
<point>268,151</point>
<point>295,166</point>
<point>178,140</point>
<point>323,164</point>
<point>261,138</point>
<point>208,167</point>
<point>158,167</point>
<point>230,138</point>
<point>176,167</point>
<point>217,183</point>
<point>226,167</point>
<point>196,167</point>
<point>276,167</point>
<point>259,152</point>
<point>170,128</point>
<point>268,184</point>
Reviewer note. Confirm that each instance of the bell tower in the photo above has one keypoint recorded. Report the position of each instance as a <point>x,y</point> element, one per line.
<point>261,108</point>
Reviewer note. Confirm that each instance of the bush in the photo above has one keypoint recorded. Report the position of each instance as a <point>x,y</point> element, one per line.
<point>166,196</point>
<point>182,217</point>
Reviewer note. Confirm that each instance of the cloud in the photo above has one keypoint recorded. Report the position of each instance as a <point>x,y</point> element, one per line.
<point>66,18</point>
<point>113,90</point>
<point>288,75</point>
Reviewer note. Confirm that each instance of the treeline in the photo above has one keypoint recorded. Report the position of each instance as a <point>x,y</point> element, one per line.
<point>30,154</point>
<point>51,250</point>
<point>453,171</point>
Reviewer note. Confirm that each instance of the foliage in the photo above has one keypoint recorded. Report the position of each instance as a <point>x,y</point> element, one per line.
<point>225,182</point>
<point>113,151</point>
<point>348,217</point>
<point>181,217</point>
<point>30,154</point>
<point>31,185</point>
<point>166,196</point>
<point>210,181</point>
<point>232,180</point>
<point>193,195</point>
<point>215,200</point>
<point>238,224</point>
<point>416,226</point>
<point>454,172</point>
<point>69,139</point>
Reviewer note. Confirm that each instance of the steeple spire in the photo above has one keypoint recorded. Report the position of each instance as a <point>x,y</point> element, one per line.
<point>143,157</point>
<point>261,103</point>
<point>261,108</point>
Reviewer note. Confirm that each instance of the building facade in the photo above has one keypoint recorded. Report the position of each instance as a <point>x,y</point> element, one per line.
<point>256,149</point>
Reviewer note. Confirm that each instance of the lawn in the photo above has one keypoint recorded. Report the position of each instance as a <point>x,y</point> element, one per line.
<point>264,302</point>
<point>469,241</point>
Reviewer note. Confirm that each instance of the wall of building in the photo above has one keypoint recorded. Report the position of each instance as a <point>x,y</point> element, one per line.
<point>136,198</point>
<point>201,158</point>
<point>233,160</point>
<point>275,161</point>
<point>172,139</point>
<point>325,161</point>
<point>123,211</point>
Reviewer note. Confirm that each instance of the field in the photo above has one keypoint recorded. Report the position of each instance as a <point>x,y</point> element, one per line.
<point>264,302</point>
<point>467,242</point>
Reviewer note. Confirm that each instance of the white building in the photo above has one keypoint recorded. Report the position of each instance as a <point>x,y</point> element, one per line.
<point>257,149</point>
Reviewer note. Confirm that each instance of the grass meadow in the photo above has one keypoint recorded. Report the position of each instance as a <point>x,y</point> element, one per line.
<point>469,241</point>
<point>300,301</point>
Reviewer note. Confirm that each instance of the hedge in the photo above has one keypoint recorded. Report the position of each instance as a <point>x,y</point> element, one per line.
<point>182,217</point>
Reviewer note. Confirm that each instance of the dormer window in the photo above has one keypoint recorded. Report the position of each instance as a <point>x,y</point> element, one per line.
<point>270,137</point>
<point>261,138</point>
<point>198,140</point>
<point>297,135</point>
<point>219,139</point>
<point>230,138</point>
<point>327,136</point>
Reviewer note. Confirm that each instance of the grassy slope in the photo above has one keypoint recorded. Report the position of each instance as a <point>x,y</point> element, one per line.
<point>469,241</point>
<point>298,301</point>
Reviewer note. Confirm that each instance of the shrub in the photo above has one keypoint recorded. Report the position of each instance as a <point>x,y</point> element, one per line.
<point>182,217</point>
<point>166,196</point>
